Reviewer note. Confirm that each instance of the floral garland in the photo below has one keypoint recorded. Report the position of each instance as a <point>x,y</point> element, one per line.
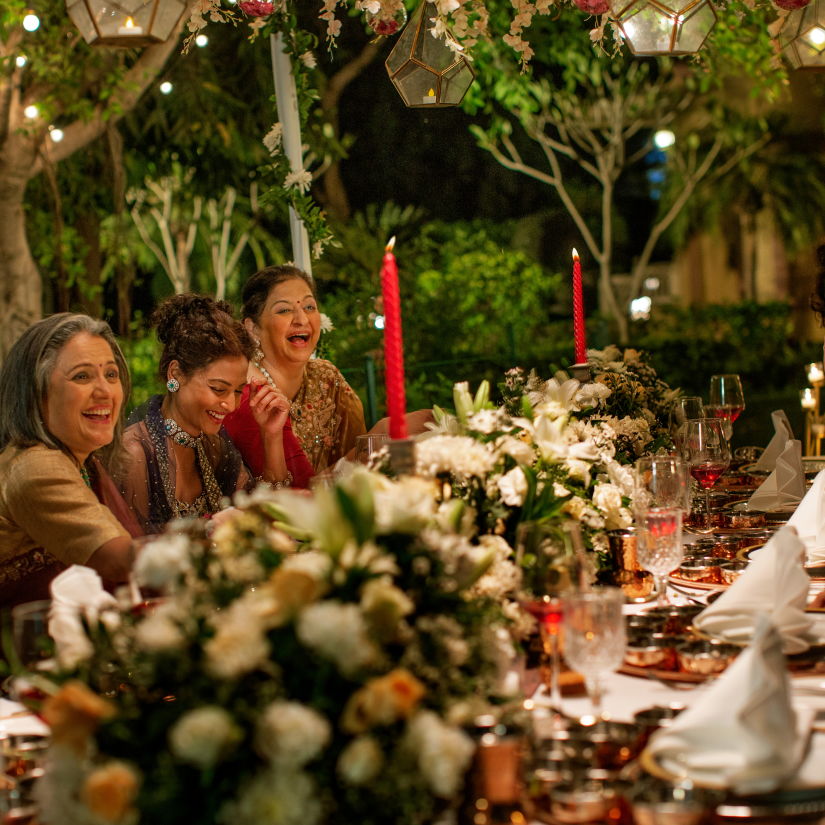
<point>273,685</point>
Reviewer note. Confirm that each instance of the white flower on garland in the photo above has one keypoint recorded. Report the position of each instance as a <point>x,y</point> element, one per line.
<point>273,138</point>
<point>488,421</point>
<point>404,506</point>
<point>239,644</point>
<point>518,449</point>
<point>290,734</point>
<point>160,630</point>
<point>442,752</point>
<point>204,736</point>
<point>275,797</point>
<point>163,561</point>
<point>360,761</point>
<point>300,180</point>
<point>513,487</point>
<point>337,632</point>
<point>608,499</point>
<point>461,455</point>
<point>308,59</point>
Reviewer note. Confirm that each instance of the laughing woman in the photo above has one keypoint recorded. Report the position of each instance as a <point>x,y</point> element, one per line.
<point>182,461</point>
<point>62,388</point>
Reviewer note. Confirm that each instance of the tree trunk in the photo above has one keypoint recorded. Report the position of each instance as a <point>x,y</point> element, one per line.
<point>20,287</point>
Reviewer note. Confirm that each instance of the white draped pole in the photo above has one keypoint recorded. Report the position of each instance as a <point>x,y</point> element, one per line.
<point>286,100</point>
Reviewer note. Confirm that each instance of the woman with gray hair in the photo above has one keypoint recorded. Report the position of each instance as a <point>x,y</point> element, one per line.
<point>62,389</point>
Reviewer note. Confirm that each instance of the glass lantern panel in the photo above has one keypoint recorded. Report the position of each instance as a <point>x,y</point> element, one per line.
<point>811,55</point>
<point>455,82</point>
<point>432,51</point>
<point>414,84</point>
<point>791,54</point>
<point>691,34</point>
<point>791,27</point>
<point>812,40</point>
<point>166,18</point>
<point>403,48</point>
<point>79,15</point>
<point>648,30</point>
<point>124,19</point>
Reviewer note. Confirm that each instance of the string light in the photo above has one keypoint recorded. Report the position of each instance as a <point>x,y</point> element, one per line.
<point>201,40</point>
<point>55,134</point>
<point>664,139</point>
<point>165,87</point>
<point>31,111</point>
<point>31,22</point>
<point>21,61</point>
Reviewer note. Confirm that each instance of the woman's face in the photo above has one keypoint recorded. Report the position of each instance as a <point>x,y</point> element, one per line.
<point>207,396</point>
<point>290,323</point>
<point>84,395</point>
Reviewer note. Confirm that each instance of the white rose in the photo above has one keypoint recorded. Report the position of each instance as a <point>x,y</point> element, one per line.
<point>290,734</point>
<point>360,761</point>
<point>513,487</point>
<point>204,736</point>
<point>443,753</point>
<point>162,561</point>
<point>239,644</point>
<point>159,632</point>
<point>275,797</point>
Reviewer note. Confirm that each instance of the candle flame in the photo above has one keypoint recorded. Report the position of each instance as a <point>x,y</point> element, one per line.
<point>431,93</point>
<point>390,244</point>
<point>130,24</point>
<point>575,254</point>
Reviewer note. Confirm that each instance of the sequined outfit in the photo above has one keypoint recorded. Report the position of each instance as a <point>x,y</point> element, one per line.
<point>148,479</point>
<point>326,414</point>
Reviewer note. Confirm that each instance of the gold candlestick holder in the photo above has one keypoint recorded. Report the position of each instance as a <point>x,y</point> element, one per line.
<point>810,399</point>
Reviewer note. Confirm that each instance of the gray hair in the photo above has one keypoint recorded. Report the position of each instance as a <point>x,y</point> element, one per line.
<point>25,374</point>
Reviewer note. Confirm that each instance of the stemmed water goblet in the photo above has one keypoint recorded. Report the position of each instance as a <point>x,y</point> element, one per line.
<point>707,454</point>
<point>686,408</point>
<point>726,400</point>
<point>594,638</point>
<point>549,569</point>
<point>661,497</point>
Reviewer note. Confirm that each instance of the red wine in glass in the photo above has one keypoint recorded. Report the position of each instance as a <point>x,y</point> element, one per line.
<point>707,473</point>
<point>729,412</point>
<point>547,612</point>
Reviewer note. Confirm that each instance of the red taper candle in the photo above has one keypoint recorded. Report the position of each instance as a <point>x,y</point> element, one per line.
<point>393,345</point>
<point>578,312</point>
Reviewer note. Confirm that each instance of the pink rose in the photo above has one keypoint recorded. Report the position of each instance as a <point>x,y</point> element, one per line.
<point>790,5</point>
<point>256,8</point>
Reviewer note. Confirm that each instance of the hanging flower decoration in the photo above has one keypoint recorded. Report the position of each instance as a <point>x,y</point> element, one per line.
<point>791,5</point>
<point>384,18</point>
<point>256,8</point>
<point>593,6</point>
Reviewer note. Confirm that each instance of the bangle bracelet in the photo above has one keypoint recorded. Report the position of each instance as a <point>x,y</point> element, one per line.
<point>277,485</point>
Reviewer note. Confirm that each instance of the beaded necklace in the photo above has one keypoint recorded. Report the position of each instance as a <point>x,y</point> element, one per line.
<point>294,410</point>
<point>211,489</point>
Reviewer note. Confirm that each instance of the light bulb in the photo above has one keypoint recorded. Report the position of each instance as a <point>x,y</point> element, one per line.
<point>165,87</point>
<point>31,22</point>
<point>20,61</point>
<point>816,36</point>
<point>664,139</point>
<point>31,111</point>
<point>201,40</point>
<point>56,134</point>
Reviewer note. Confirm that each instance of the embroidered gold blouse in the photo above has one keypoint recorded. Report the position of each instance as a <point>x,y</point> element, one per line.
<point>327,415</point>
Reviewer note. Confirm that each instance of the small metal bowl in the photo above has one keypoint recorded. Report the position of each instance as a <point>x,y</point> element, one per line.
<point>658,803</point>
<point>701,570</point>
<point>731,570</point>
<point>579,801</point>
<point>739,521</point>
<point>658,716</point>
<point>643,623</point>
<point>705,658</point>
<point>726,547</point>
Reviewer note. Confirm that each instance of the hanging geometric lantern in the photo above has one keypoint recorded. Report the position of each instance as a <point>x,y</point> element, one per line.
<point>128,23</point>
<point>802,37</point>
<point>664,27</point>
<point>424,69</point>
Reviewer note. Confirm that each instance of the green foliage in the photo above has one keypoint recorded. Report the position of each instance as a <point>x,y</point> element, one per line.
<point>751,339</point>
<point>142,355</point>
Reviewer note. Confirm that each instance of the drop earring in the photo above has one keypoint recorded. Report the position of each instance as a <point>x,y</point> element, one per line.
<point>258,355</point>
<point>173,385</point>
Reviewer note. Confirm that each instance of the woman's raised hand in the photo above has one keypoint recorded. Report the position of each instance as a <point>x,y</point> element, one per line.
<point>269,407</point>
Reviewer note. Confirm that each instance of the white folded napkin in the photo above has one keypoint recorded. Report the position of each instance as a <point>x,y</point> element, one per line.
<point>77,594</point>
<point>782,434</point>
<point>774,583</point>
<point>785,486</point>
<point>742,733</point>
<point>809,520</point>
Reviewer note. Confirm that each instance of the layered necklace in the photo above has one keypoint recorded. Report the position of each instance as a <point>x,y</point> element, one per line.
<point>211,489</point>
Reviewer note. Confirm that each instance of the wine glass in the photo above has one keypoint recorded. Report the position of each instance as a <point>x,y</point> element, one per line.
<point>661,497</point>
<point>30,632</point>
<point>726,399</point>
<point>686,408</point>
<point>367,445</point>
<point>594,638</point>
<point>549,569</point>
<point>707,454</point>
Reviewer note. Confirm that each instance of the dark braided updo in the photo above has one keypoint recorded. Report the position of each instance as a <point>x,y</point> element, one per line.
<point>196,330</point>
